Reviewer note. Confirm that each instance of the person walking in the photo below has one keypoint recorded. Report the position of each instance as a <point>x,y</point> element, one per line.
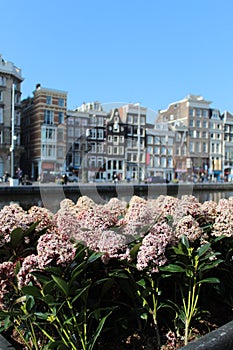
<point>20,176</point>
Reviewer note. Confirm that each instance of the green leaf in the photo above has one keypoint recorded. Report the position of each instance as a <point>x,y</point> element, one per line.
<point>144,316</point>
<point>178,250</point>
<point>119,274</point>
<point>94,257</point>
<point>76,272</point>
<point>80,294</point>
<point>185,241</point>
<point>42,315</point>
<point>134,250</point>
<point>61,283</point>
<point>209,280</point>
<point>30,303</point>
<point>31,228</point>
<point>17,235</point>
<point>141,282</point>
<point>31,290</point>
<point>107,286</point>
<point>172,268</point>
<point>48,287</point>
<point>98,331</point>
<point>211,265</point>
<point>203,249</point>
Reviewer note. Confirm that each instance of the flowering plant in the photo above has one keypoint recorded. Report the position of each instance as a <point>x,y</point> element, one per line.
<point>70,279</point>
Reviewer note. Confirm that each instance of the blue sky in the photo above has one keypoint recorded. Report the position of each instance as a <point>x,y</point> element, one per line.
<point>153,51</point>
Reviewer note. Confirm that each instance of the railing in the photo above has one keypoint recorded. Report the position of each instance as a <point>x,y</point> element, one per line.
<point>219,339</point>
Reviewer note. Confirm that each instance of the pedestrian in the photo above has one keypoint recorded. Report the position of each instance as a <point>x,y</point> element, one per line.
<point>20,176</point>
<point>65,179</point>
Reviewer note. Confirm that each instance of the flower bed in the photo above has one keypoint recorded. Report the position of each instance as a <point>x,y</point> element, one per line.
<point>145,274</point>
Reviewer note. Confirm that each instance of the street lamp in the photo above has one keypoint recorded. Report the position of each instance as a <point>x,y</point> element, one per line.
<point>13,137</point>
<point>139,139</point>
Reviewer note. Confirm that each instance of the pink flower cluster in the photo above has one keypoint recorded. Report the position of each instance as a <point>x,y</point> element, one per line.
<point>52,250</point>
<point>111,227</point>
<point>152,251</point>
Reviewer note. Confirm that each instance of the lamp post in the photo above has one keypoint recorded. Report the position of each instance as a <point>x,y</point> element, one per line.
<point>139,139</point>
<point>12,148</point>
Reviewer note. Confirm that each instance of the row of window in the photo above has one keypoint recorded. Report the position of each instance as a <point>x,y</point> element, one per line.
<point>60,101</point>
<point>197,123</point>
<point>49,117</point>
<point>133,119</point>
<point>161,162</point>
<point>197,112</point>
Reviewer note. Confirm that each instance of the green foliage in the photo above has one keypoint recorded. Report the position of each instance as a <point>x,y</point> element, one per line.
<point>191,266</point>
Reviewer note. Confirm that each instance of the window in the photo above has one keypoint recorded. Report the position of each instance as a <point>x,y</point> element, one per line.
<point>163,162</point>
<point>70,132</point>
<point>163,150</point>
<point>149,139</point>
<point>99,162</point>
<point>48,134</point>
<point>61,117</point>
<point>115,150</point>
<point>204,124</point>
<point>100,148</point>
<point>93,133</point>
<point>1,137</point>
<point>204,147</point>
<point>121,150</point>
<point>61,102</point>
<point>204,113</point>
<point>191,112</point>
<point>204,134</point>
<point>169,162</point>
<point>198,123</point>
<point>2,80</point>
<point>198,134</point>
<point>191,122</point>
<point>48,151</point>
<point>198,112</point>
<point>130,119</point>
<point>100,121</point>
<point>17,118</point>
<point>156,161</point>
<point>198,147</point>
<point>100,134</point>
<point>48,100</point>
<point>1,115</point>
<point>70,120</point>
<point>191,147</point>
<point>48,117</point>
<point>1,96</point>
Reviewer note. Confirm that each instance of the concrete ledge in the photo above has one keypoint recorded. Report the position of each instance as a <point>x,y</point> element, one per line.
<point>4,344</point>
<point>220,339</point>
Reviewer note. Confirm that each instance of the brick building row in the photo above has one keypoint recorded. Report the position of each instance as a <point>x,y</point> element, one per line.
<point>187,141</point>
